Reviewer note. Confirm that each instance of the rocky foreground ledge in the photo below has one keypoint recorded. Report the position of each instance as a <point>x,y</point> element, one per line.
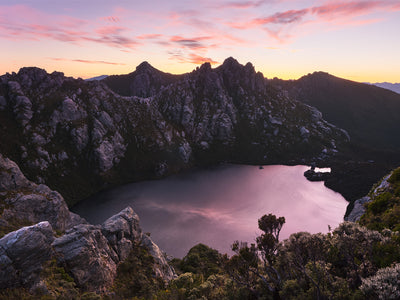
<point>88,253</point>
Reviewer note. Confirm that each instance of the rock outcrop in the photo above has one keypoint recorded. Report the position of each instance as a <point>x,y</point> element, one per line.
<point>89,253</point>
<point>22,255</point>
<point>24,202</point>
<point>161,267</point>
<point>359,205</point>
<point>85,253</point>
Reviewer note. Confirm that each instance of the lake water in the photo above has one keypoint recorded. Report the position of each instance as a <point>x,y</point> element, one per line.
<point>218,206</point>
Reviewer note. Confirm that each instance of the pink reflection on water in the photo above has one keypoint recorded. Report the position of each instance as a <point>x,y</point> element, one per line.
<point>219,206</point>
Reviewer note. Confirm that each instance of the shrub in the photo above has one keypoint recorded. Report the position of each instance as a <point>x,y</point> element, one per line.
<point>383,285</point>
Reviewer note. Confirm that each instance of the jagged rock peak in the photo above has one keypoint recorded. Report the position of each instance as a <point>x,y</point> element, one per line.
<point>33,72</point>
<point>145,67</point>
<point>232,65</point>
<point>230,61</point>
<point>205,67</point>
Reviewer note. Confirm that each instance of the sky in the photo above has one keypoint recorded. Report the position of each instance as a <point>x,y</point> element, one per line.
<point>353,39</point>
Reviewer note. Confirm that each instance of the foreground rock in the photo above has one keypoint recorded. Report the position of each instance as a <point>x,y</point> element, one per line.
<point>92,253</point>
<point>89,253</point>
<point>22,255</point>
<point>85,252</point>
<point>23,202</point>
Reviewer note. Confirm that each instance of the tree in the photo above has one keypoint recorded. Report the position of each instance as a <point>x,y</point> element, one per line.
<point>253,266</point>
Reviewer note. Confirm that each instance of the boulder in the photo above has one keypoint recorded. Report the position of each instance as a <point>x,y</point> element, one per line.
<point>23,253</point>
<point>11,176</point>
<point>122,232</point>
<point>161,267</point>
<point>358,209</point>
<point>86,254</point>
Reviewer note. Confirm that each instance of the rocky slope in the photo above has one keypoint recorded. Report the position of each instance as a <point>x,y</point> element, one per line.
<point>79,137</point>
<point>90,254</point>
<point>359,205</point>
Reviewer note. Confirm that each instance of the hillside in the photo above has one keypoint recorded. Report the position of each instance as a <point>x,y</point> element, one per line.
<point>395,87</point>
<point>368,113</point>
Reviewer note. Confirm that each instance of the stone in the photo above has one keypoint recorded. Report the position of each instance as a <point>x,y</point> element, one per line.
<point>11,176</point>
<point>358,209</point>
<point>85,253</point>
<point>23,109</point>
<point>122,232</point>
<point>23,253</point>
<point>185,152</point>
<point>161,268</point>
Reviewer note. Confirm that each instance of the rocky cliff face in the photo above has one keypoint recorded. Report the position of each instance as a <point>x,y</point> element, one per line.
<point>90,254</point>
<point>78,136</point>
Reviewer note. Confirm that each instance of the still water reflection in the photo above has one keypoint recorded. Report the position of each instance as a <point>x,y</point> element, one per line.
<point>221,205</point>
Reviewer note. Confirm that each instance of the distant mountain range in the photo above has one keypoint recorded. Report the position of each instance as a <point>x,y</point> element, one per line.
<point>395,87</point>
<point>101,77</point>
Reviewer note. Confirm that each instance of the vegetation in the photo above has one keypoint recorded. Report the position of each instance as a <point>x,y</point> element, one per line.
<point>384,209</point>
<point>135,276</point>
<point>353,261</point>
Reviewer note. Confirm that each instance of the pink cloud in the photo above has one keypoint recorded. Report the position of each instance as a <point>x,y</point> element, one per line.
<point>88,61</point>
<point>32,24</point>
<point>192,58</point>
<point>352,8</point>
<point>341,13</point>
<point>191,43</point>
<point>149,36</point>
<point>106,30</point>
<point>241,5</point>
<point>286,17</point>
<point>112,19</point>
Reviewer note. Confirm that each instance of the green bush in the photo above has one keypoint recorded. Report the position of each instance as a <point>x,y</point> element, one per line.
<point>380,203</point>
<point>135,276</point>
<point>203,260</point>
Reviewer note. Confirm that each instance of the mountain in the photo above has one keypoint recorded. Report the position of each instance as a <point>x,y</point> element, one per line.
<point>395,87</point>
<point>368,113</point>
<point>79,137</point>
<point>101,77</point>
<point>146,81</point>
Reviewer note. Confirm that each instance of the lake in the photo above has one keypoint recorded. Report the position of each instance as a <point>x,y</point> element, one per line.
<point>220,205</point>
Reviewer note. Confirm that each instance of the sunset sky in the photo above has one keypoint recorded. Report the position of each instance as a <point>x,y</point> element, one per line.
<point>358,40</point>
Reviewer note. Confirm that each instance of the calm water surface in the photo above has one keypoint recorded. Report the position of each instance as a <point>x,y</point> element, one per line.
<point>219,206</point>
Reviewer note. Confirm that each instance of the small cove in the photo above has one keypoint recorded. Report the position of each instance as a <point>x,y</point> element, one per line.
<point>220,205</point>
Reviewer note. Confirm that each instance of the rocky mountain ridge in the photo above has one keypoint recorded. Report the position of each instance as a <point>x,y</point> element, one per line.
<point>79,137</point>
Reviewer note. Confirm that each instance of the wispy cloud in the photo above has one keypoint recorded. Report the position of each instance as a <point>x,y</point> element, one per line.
<point>191,58</point>
<point>152,36</point>
<point>344,13</point>
<point>240,4</point>
<point>286,17</point>
<point>32,24</point>
<point>112,19</point>
<point>191,43</point>
<point>97,62</point>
